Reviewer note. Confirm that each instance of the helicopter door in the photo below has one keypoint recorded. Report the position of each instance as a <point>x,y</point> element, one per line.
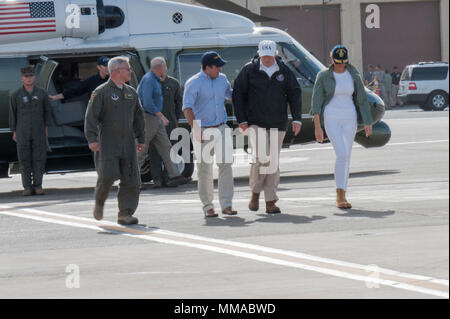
<point>136,66</point>
<point>44,72</point>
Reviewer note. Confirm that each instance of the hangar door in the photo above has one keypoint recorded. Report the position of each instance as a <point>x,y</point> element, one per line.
<point>306,25</point>
<point>406,32</point>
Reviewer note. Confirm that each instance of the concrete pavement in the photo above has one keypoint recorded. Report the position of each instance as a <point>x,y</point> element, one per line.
<point>313,250</point>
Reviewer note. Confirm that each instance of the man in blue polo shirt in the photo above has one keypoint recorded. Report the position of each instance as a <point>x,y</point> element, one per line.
<point>150,94</point>
<point>204,108</point>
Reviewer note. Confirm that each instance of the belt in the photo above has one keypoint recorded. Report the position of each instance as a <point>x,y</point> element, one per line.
<point>215,126</point>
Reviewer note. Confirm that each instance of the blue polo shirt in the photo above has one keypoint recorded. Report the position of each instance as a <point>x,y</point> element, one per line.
<point>150,93</point>
<point>206,97</point>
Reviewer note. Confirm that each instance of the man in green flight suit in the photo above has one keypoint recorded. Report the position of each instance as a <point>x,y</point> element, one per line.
<point>114,121</point>
<point>29,118</point>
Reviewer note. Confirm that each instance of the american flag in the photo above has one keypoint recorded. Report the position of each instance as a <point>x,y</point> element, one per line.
<point>27,17</point>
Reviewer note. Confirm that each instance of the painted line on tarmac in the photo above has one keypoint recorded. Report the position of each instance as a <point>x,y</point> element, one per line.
<point>359,146</point>
<point>371,275</point>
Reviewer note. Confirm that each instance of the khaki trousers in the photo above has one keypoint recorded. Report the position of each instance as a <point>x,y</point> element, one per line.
<point>219,145</point>
<point>265,169</point>
<point>394,99</point>
<point>156,134</point>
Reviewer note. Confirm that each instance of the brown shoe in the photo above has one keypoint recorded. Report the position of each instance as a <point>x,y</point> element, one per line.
<point>271,208</point>
<point>127,220</point>
<point>39,191</point>
<point>229,211</point>
<point>98,211</point>
<point>28,192</point>
<point>211,213</point>
<point>254,203</point>
<point>341,201</point>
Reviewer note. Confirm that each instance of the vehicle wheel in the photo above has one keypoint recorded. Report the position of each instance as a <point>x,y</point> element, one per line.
<point>4,170</point>
<point>438,101</point>
<point>147,178</point>
<point>186,169</point>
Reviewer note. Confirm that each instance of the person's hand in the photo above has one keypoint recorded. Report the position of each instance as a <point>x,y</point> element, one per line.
<point>94,147</point>
<point>54,98</point>
<point>198,135</point>
<point>319,134</point>
<point>165,121</point>
<point>14,137</point>
<point>243,127</point>
<point>140,148</point>
<point>296,128</point>
<point>368,129</point>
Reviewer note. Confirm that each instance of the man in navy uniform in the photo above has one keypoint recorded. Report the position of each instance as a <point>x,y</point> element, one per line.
<point>88,85</point>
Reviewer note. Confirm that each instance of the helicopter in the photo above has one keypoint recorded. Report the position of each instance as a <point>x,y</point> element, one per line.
<point>63,40</point>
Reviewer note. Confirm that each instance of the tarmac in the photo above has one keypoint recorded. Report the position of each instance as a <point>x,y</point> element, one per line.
<point>394,243</point>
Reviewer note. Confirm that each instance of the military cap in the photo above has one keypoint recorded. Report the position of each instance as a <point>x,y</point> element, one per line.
<point>28,70</point>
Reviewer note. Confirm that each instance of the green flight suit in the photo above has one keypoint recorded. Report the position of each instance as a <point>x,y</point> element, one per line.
<point>115,119</point>
<point>29,114</point>
<point>172,104</point>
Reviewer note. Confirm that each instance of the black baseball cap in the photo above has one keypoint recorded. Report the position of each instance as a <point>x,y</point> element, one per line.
<point>212,58</point>
<point>103,60</point>
<point>339,54</point>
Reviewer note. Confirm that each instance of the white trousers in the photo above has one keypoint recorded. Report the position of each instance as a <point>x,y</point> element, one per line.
<point>219,145</point>
<point>341,125</point>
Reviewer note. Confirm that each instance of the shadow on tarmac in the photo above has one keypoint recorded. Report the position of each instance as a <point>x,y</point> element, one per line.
<point>264,218</point>
<point>366,213</point>
<point>77,194</point>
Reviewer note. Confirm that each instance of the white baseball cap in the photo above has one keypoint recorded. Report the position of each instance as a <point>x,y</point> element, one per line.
<point>267,48</point>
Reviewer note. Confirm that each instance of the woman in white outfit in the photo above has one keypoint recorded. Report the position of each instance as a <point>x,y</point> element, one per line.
<point>339,98</point>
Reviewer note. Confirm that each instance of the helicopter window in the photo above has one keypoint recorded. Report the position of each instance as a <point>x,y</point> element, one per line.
<point>189,65</point>
<point>237,57</point>
<point>301,63</point>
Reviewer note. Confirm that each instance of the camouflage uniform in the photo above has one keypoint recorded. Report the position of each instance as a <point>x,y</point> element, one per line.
<point>381,77</point>
<point>115,119</point>
<point>29,114</point>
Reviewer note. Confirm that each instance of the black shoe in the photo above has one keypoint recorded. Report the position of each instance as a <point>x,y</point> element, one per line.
<point>179,180</point>
<point>158,184</point>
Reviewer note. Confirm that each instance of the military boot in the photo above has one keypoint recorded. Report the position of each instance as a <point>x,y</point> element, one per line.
<point>98,211</point>
<point>254,203</point>
<point>127,220</point>
<point>39,191</point>
<point>271,208</point>
<point>341,201</point>
<point>28,192</point>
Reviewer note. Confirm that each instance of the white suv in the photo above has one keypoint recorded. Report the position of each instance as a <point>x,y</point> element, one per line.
<point>425,84</point>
